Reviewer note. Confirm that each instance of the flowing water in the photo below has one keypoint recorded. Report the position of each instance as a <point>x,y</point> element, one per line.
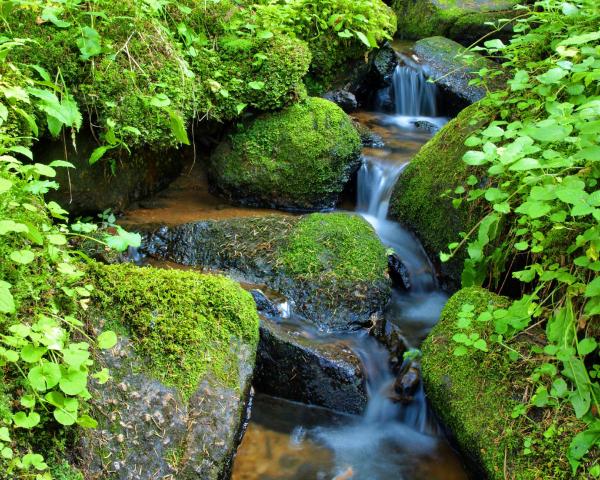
<point>290,441</point>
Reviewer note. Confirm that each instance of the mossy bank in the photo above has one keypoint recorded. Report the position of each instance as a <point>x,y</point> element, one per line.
<point>299,158</point>
<point>332,266</point>
<point>476,394</point>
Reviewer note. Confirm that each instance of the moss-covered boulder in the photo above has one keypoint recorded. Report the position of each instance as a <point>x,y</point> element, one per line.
<point>452,68</point>
<point>299,158</point>
<point>422,199</point>
<point>181,373</point>
<point>332,266</point>
<point>475,395</point>
<point>461,20</point>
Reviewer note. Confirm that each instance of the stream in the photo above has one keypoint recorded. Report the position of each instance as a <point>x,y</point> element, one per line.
<point>285,440</point>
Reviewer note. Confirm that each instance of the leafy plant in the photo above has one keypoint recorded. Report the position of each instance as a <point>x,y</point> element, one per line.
<point>541,160</point>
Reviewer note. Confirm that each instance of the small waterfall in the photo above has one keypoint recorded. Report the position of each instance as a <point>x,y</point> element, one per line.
<point>414,96</point>
<point>376,180</point>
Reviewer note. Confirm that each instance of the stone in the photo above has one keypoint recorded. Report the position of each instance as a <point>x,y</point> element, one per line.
<point>343,99</point>
<point>398,272</point>
<point>293,364</point>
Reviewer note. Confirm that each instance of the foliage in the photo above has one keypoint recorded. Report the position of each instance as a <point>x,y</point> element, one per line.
<point>337,31</point>
<point>45,355</point>
<point>540,189</point>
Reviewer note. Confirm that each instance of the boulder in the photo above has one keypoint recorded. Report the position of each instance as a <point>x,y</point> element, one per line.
<point>181,374</point>
<point>332,266</point>
<point>418,202</point>
<point>294,364</point>
<point>475,395</point>
<point>399,272</point>
<point>460,20</point>
<point>451,67</point>
<point>114,182</point>
<point>299,158</point>
<point>343,99</point>
<point>383,64</point>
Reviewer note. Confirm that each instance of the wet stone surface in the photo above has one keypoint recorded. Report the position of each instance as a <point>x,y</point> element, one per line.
<point>292,363</point>
<point>148,431</point>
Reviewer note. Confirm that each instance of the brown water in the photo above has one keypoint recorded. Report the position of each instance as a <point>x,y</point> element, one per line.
<point>187,199</point>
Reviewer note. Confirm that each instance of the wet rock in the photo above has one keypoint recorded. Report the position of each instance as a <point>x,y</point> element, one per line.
<point>148,431</point>
<point>407,382</point>
<point>383,64</point>
<point>263,304</point>
<point>367,136</point>
<point>448,64</point>
<point>89,189</point>
<point>426,126</point>
<point>181,373</point>
<point>254,249</point>
<point>398,272</point>
<point>292,365</point>
<point>343,99</point>
<point>389,335</point>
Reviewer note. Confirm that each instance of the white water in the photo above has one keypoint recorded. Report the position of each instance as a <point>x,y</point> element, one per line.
<point>390,441</point>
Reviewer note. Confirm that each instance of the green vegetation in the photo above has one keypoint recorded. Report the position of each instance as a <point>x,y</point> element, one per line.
<point>182,322</point>
<point>481,393</point>
<point>300,157</point>
<point>536,169</point>
<point>334,247</point>
<point>449,18</point>
<point>142,71</point>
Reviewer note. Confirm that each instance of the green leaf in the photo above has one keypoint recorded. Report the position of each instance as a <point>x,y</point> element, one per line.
<point>8,226</point>
<point>264,34</point>
<point>474,157</point>
<point>7,303</point>
<point>480,345</point>
<point>256,85</point>
<point>86,421</point>
<point>98,153</point>
<point>534,209</point>
<point>586,346</point>
<point>581,39</point>
<point>22,257</point>
<point>593,288</point>
<point>581,396</point>
<point>22,420</point>
<point>45,376</point>
<point>364,39</point>
<point>73,381</point>
<point>34,460</point>
<point>89,43</point>
<point>33,354</point>
<point>178,128</point>
<point>107,340</point>
<point>552,76</point>
<point>5,185</point>
<point>4,435</point>
<point>582,442</point>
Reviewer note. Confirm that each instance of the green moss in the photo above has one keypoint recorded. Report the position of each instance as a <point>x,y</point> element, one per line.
<point>451,18</point>
<point>475,394</point>
<point>421,199</point>
<point>335,246</point>
<point>299,157</point>
<point>183,322</point>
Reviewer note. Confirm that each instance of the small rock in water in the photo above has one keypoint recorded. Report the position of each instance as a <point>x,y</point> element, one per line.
<point>342,98</point>
<point>426,126</point>
<point>263,304</point>
<point>407,382</point>
<point>398,272</point>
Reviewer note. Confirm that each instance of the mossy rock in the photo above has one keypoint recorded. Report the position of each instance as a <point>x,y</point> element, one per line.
<point>331,265</point>
<point>475,394</point>
<point>422,197</point>
<point>181,373</point>
<point>298,159</point>
<point>453,68</point>
<point>463,21</point>
<point>115,182</point>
